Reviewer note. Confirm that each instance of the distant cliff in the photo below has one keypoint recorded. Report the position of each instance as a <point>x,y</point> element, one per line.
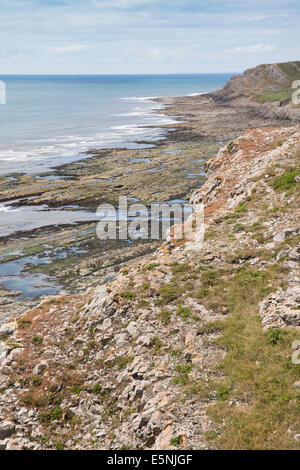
<point>268,87</point>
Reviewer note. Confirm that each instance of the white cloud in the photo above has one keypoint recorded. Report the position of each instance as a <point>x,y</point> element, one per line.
<point>253,48</point>
<point>16,57</point>
<point>146,36</point>
<point>69,49</point>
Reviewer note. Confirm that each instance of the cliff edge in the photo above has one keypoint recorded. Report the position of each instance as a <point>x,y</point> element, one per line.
<point>268,87</point>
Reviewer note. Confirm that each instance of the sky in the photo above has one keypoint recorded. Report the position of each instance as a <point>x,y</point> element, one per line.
<point>146,36</point>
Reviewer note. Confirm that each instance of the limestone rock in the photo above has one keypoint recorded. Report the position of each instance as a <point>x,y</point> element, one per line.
<point>6,429</point>
<point>280,309</point>
<point>39,368</point>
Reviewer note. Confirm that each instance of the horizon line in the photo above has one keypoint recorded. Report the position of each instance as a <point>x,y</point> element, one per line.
<point>114,74</point>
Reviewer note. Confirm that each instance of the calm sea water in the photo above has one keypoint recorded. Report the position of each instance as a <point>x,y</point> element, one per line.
<point>50,120</point>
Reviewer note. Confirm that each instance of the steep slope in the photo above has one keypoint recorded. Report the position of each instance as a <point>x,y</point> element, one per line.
<point>267,85</point>
<point>271,82</point>
<point>184,349</point>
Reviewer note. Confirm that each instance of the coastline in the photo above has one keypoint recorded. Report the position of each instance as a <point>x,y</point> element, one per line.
<point>161,345</point>
<point>64,189</point>
<point>163,357</point>
<point>70,255</point>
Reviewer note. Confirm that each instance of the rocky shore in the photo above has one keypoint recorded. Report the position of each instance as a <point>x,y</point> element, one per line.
<point>180,348</point>
<point>183,347</point>
<point>55,248</point>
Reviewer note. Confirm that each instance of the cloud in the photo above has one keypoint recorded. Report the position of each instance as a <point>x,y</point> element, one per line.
<point>146,36</point>
<point>16,57</point>
<point>257,48</point>
<point>69,49</point>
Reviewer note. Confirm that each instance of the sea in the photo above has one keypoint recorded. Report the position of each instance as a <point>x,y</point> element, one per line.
<point>49,120</point>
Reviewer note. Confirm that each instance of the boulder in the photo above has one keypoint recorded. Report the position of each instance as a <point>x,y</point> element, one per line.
<point>6,429</point>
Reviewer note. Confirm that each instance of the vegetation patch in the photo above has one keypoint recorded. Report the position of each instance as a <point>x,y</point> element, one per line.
<point>175,441</point>
<point>183,312</point>
<point>168,293</point>
<point>286,181</point>
<point>258,371</point>
<point>55,414</point>
<point>24,322</point>
<point>37,341</point>
<point>165,316</point>
<point>182,377</point>
<point>276,96</point>
<point>150,267</point>
<point>129,295</point>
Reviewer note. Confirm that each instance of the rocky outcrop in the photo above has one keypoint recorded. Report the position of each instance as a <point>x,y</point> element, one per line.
<point>267,89</point>
<point>261,79</point>
<point>281,309</point>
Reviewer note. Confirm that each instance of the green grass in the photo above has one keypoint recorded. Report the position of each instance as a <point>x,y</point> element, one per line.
<point>290,70</point>
<point>276,96</point>
<point>183,312</point>
<point>223,392</point>
<point>179,268</point>
<point>156,343</point>
<point>175,441</point>
<point>168,293</point>
<point>165,316</point>
<point>150,266</point>
<point>274,335</point>
<point>210,435</point>
<point>46,417</point>
<point>123,361</point>
<point>258,371</point>
<point>75,388</point>
<point>182,377</point>
<point>241,208</point>
<point>286,181</point>
<point>129,295</point>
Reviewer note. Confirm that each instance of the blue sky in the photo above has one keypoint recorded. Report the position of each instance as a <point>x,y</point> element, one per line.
<point>146,36</point>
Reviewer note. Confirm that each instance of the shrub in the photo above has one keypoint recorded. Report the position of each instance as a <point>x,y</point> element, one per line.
<point>223,393</point>
<point>46,417</point>
<point>273,335</point>
<point>168,293</point>
<point>24,322</point>
<point>127,294</point>
<point>175,441</point>
<point>149,267</point>
<point>37,340</point>
<point>183,312</point>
